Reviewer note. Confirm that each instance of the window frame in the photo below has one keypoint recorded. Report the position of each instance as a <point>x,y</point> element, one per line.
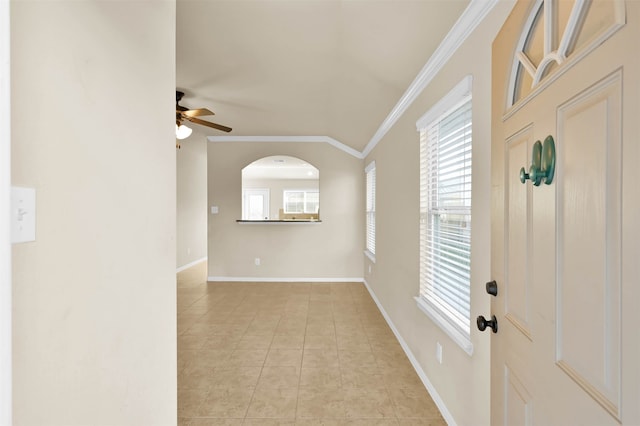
<point>304,201</point>
<point>370,211</point>
<point>560,50</point>
<point>430,304</point>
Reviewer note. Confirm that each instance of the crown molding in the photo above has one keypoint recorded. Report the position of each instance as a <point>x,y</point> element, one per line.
<point>300,139</point>
<point>464,26</point>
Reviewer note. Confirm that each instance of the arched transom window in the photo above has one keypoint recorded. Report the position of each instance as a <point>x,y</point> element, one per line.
<point>556,34</point>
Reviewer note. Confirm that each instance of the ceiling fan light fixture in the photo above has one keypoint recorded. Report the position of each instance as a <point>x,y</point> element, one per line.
<point>183,132</point>
<point>191,115</point>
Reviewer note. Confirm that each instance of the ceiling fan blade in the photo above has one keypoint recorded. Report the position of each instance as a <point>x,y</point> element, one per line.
<point>180,108</point>
<point>197,112</point>
<point>208,124</point>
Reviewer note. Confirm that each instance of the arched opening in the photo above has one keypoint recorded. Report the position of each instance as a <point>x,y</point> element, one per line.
<point>280,188</point>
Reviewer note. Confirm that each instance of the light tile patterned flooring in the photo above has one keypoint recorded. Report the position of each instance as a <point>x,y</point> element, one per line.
<point>291,354</point>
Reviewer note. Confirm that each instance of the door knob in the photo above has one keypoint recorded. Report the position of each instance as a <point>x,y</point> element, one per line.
<point>483,323</point>
<point>492,288</point>
<point>534,169</point>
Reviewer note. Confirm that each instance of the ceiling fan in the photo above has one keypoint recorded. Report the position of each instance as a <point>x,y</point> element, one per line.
<point>192,115</point>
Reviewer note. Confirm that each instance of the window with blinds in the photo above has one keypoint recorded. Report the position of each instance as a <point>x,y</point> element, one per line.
<point>370,173</point>
<point>302,201</point>
<point>445,213</point>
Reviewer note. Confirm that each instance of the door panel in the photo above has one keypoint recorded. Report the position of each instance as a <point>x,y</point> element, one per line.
<point>518,405</point>
<point>565,255</point>
<point>517,245</point>
<point>589,208</point>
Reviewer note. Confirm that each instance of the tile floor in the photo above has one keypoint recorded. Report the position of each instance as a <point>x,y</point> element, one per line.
<point>291,354</point>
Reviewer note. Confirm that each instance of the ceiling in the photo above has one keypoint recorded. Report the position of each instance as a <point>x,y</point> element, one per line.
<point>305,68</point>
<point>280,167</point>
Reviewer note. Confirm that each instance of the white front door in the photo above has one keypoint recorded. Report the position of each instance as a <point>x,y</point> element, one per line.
<point>566,255</point>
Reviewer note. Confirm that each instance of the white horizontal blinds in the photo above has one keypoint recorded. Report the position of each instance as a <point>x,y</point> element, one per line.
<point>293,201</point>
<point>445,214</point>
<point>301,201</point>
<point>371,208</point>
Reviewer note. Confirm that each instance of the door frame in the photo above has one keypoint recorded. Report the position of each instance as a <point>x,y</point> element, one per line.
<point>5,228</point>
<point>266,201</point>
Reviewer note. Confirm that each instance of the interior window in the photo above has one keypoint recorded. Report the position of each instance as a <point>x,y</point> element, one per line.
<point>280,188</point>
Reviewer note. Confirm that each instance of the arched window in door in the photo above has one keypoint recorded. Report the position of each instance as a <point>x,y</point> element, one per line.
<point>558,34</point>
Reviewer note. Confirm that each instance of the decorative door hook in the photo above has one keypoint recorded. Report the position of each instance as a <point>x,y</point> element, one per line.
<point>543,163</point>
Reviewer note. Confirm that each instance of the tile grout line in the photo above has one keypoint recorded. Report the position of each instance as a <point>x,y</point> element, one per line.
<point>304,339</point>
<point>364,318</point>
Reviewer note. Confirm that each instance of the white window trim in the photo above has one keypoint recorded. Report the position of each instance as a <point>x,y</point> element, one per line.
<point>460,338</point>
<point>371,256</point>
<point>370,166</point>
<point>447,103</point>
<point>367,252</point>
<point>457,94</point>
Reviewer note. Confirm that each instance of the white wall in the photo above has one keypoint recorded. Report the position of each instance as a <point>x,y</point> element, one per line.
<point>330,249</point>
<point>461,381</point>
<point>191,170</point>
<point>94,305</point>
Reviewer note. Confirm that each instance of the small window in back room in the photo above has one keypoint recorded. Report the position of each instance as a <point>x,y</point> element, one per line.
<point>301,201</point>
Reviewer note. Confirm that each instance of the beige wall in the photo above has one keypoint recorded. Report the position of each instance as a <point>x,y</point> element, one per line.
<point>330,249</point>
<point>94,306</point>
<point>191,170</point>
<point>462,381</point>
<point>5,230</point>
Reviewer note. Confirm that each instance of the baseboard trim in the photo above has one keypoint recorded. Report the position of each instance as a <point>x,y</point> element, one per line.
<point>284,280</point>
<point>423,376</point>
<point>189,265</point>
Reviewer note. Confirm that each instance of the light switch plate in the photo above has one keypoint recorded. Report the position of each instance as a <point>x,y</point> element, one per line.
<point>23,214</point>
<point>214,210</point>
